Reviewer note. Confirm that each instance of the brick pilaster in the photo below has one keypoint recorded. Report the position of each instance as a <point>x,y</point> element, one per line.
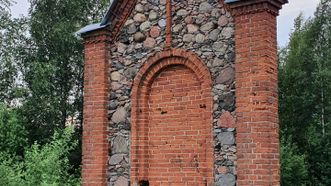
<point>96,90</point>
<point>256,92</point>
<point>168,37</point>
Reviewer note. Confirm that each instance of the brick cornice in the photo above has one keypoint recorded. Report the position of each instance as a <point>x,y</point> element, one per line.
<point>98,36</point>
<point>254,6</point>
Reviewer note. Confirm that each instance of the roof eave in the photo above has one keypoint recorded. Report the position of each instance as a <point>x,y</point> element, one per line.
<point>105,19</point>
<point>90,28</point>
<point>231,1</point>
<point>97,26</point>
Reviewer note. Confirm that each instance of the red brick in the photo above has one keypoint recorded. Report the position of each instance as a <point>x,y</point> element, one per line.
<point>176,131</point>
<point>226,120</point>
<point>96,83</point>
<point>257,132</point>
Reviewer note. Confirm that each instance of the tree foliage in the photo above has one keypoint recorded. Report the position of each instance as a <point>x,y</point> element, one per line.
<point>11,42</point>
<point>41,70</point>
<point>13,137</point>
<point>293,165</point>
<point>43,165</point>
<point>53,65</point>
<point>305,95</point>
<point>10,171</point>
<point>41,62</point>
<point>5,4</point>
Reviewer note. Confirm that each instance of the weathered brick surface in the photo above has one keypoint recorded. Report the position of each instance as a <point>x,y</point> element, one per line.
<point>256,93</point>
<point>96,81</point>
<point>169,114</point>
<point>171,121</point>
<point>213,44</point>
<point>177,133</point>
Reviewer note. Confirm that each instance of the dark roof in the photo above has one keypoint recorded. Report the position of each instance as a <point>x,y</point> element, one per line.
<point>90,28</point>
<point>104,22</point>
<point>231,1</point>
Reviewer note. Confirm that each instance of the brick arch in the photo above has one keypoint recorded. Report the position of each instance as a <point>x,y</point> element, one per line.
<point>192,110</point>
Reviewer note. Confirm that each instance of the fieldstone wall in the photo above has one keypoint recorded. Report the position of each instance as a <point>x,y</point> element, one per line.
<point>201,26</point>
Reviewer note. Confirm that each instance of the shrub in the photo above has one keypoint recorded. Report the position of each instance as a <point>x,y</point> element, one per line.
<point>12,132</point>
<point>294,170</point>
<point>42,165</point>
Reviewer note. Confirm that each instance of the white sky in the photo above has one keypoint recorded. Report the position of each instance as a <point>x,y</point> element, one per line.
<point>285,21</point>
<point>287,15</point>
<point>20,8</point>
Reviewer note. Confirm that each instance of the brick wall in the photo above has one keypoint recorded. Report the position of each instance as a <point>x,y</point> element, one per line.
<point>168,115</point>
<point>96,91</point>
<point>257,103</point>
<point>171,121</point>
<point>256,92</point>
<point>202,28</point>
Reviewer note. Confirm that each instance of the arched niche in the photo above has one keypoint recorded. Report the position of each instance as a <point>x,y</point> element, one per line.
<point>171,116</point>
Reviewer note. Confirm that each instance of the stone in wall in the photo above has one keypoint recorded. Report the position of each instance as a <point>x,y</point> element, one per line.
<point>203,27</point>
<point>207,29</point>
<point>142,35</point>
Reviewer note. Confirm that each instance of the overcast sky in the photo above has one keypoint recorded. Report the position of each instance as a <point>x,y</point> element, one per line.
<point>285,20</point>
<point>289,12</point>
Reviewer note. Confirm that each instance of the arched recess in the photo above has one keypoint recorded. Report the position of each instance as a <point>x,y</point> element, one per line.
<point>171,116</point>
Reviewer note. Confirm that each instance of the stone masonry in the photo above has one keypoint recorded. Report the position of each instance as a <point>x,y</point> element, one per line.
<point>220,41</point>
<point>204,28</point>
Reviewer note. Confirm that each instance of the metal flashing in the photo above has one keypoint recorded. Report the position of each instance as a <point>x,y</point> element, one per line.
<point>104,22</point>
<point>231,1</point>
<point>90,28</point>
<point>109,12</point>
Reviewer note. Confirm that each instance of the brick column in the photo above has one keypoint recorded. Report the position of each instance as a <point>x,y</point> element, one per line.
<point>96,90</point>
<point>256,91</point>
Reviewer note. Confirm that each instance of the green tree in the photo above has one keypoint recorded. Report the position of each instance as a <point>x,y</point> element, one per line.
<point>11,42</point>
<point>305,93</point>
<point>41,63</point>
<point>10,171</point>
<point>48,164</point>
<point>43,165</point>
<point>5,4</point>
<point>52,67</point>
<point>13,137</point>
<point>294,171</point>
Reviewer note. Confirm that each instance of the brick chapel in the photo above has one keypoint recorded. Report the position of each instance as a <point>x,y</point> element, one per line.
<point>182,93</point>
